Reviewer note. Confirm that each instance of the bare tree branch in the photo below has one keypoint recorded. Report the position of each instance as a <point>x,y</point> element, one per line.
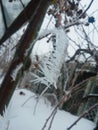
<point>86,8</point>
<point>20,58</point>
<point>23,17</point>
<point>78,52</point>
<point>22,4</point>
<point>90,96</point>
<point>85,113</point>
<point>3,13</point>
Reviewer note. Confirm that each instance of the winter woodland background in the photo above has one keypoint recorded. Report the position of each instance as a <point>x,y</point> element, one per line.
<point>48,64</point>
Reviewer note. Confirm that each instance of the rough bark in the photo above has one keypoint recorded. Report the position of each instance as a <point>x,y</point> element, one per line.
<point>23,17</point>
<point>8,85</point>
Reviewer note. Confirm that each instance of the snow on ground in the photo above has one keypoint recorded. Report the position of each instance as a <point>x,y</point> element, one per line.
<point>24,114</point>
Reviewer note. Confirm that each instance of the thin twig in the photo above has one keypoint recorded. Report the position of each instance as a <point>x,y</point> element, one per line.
<point>90,96</point>
<point>55,109</point>
<point>85,113</point>
<point>76,21</point>
<point>65,97</point>
<point>86,8</point>
<point>27,100</point>
<point>78,51</point>
<point>22,4</point>
<point>87,37</point>
<point>3,14</point>
<point>79,85</point>
<point>52,119</point>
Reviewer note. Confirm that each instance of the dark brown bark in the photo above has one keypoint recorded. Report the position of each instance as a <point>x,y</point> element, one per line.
<point>8,86</point>
<point>23,17</point>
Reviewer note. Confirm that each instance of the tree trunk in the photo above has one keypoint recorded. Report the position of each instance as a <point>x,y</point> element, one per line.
<point>22,18</point>
<point>17,66</point>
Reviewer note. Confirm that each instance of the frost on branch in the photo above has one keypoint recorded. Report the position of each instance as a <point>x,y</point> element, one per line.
<point>5,119</point>
<point>14,73</point>
<point>50,69</point>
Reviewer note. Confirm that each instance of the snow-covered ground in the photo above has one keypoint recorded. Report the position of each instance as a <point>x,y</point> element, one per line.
<point>24,113</point>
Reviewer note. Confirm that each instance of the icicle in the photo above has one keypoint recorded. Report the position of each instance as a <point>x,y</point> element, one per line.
<point>51,67</point>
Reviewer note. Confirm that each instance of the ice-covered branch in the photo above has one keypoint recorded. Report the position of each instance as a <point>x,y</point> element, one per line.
<point>51,67</point>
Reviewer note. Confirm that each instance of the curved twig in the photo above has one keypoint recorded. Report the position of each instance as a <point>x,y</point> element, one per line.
<point>78,52</point>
